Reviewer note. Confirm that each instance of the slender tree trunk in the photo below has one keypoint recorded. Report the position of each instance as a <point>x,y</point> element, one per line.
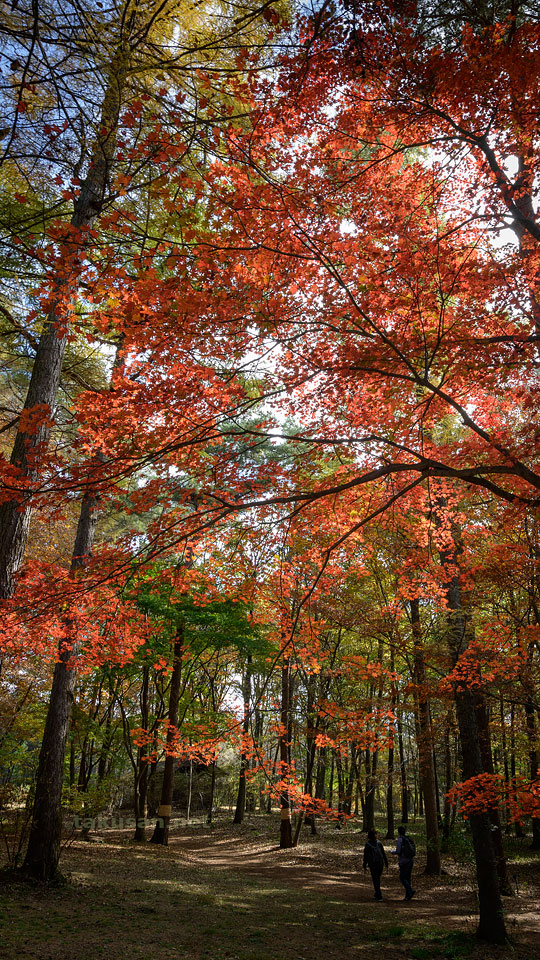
<point>311,749</point>
<point>274,770</point>
<point>240,810</point>
<point>258,737</point>
<point>320,778</point>
<point>517,824</point>
<point>285,834</point>
<point>190,790</point>
<point>320,783</point>
<point>508,823</point>
<point>161,829</point>
<point>141,770</point>
<point>370,765</point>
<point>448,776</point>
<point>436,777</point>
<point>403,774</point>
<point>390,819</point>
<point>425,746</point>
<point>530,723</point>
<point>141,792</point>
<point>352,779</point>
<point>340,787</point>
<point>85,771</point>
<point>103,763</point>
<point>494,815</point>
<point>210,814</point>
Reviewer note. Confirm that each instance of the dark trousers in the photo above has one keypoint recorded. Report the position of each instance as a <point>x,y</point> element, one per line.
<point>405,873</point>
<point>376,874</point>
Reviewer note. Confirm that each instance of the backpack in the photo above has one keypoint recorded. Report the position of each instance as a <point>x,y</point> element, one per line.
<point>408,847</point>
<point>376,858</point>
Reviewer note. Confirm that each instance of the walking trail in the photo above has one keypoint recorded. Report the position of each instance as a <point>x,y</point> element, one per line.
<point>448,900</point>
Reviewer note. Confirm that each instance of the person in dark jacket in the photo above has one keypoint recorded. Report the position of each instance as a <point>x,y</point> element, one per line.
<point>405,850</point>
<point>375,859</point>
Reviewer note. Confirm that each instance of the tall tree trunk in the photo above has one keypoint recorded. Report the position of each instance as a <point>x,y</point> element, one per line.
<point>494,815</point>
<point>311,751</point>
<point>341,787</point>
<point>425,746</point>
<point>258,735</point>
<point>190,790</point>
<point>506,768</point>
<point>85,772</point>
<point>311,747</point>
<point>448,777</point>
<point>103,762</point>
<point>530,724</point>
<point>518,828</point>
<point>351,779</point>
<point>320,778</point>
<point>140,779</point>
<point>320,782</point>
<point>491,922</point>
<point>436,777</point>
<point>43,852</point>
<point>274,771</point>
<point>285,833</point>
<point>370,765</point>
<point>403,774</point>
<point>390,819</point>
<point>30,445</point>
<point>244,759</point>
<point>161,829</point>
<point>211,800</point>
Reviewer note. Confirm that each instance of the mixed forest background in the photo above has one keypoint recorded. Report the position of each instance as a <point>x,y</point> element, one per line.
<point>270,326</point>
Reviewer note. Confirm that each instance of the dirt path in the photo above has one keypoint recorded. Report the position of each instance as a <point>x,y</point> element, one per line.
<point>440,900</point>
<point>229,893</point>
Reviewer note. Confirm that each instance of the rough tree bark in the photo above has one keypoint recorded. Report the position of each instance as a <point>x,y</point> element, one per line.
<point>240,810</point>
<point>403,774</point>
<point>447,810</point>
<point>43,852</point>
<point>161,829</point>
<point>285,833</point>
<point>531,727</point>
<point>491,925</point>
<point>390,819</point>
<point>425,745</point>
<point>494,814</point>
<point>140,774</point>
<point>30,445</point>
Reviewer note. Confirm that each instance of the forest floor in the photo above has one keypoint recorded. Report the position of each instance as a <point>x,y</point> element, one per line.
<point>229,893</point>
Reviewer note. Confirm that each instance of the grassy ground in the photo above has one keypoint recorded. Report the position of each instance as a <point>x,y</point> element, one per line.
<point>229,894</point>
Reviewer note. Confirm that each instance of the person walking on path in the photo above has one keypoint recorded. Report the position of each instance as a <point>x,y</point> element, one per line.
<point>375,859</point>
<point>406,851</point>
